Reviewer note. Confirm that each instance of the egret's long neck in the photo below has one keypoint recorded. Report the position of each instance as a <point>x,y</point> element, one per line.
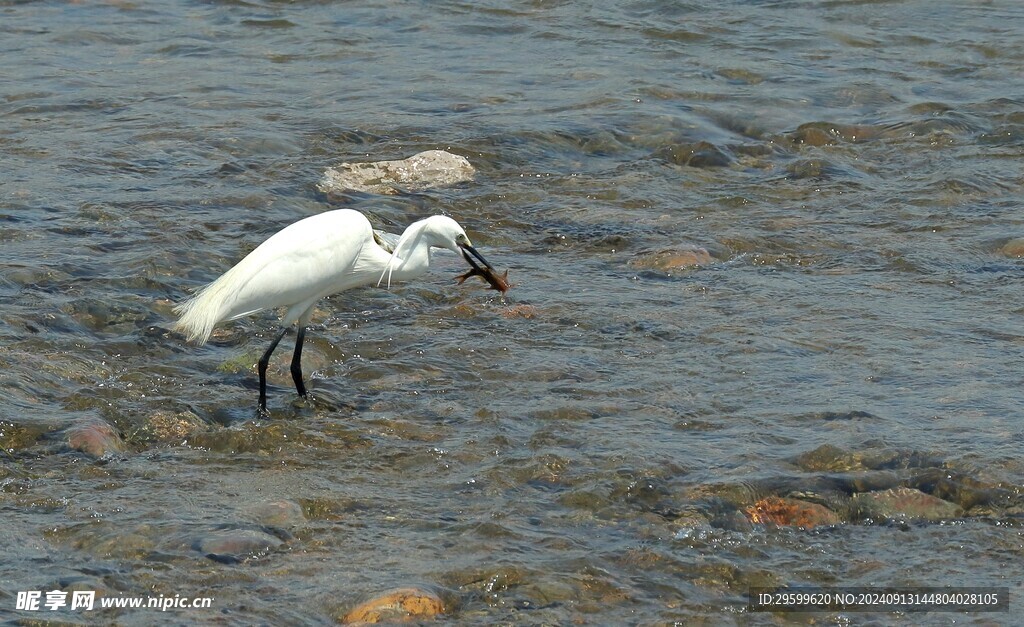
<point>411,257</point>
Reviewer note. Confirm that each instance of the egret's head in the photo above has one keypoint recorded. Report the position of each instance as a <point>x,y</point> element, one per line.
<point>447,233</point>
<point>443,232</point>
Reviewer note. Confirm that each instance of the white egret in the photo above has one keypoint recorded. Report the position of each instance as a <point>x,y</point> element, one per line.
<point>304,262</point>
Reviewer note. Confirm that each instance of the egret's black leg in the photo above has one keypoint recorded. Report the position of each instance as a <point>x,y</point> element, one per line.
<point>297,363</point>
<point>264,361</point>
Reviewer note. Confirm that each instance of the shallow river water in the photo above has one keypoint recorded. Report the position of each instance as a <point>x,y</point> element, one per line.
<point>765,330</point>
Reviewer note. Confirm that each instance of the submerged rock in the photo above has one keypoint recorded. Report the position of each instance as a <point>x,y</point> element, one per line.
<point>689,525</point>
<point>830,133</point>
<point>397,606</point>
<point>281,513</point>
<point>982,497</point>
<point>529,312</point>
<point>811,169</point>
<point>431,168</point>
<point>700,154</point>
<point>786,512</point>
<point>97,314</point>
<point>834,459</point>
<point>96,438</point>
<point>15,436</point>
<point>108,540</point>
<point>903,503</point>
<point>672,259</point>
<point>1013,248</point>
<point>163,426</point>
<point>250,437</point>
<point>830,458</point>
<point>231,546</point>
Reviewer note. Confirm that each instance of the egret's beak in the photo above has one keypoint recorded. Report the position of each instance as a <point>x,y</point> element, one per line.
<point>467,249</point>
<point>496,281</point>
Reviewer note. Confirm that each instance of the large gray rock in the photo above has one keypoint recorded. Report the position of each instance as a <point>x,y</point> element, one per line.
<point>431,168</point>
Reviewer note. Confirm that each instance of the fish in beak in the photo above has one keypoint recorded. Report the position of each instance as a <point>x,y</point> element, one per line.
<point>486,272</point>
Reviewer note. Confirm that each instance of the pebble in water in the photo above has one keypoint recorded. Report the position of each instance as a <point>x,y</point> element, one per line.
<point>786,512</point>
<point>829,458</point>
<point>1013,248</point>
<point>829,133</point>
<point>832,458</point>
<point>901,503</point>
<point>810,169</point>
<point>281,513</point>
<point>696,155</point>
<point>231,546</point>
<point>163,426</point>
<point>15,436</point>
<point>673,259</point>
<point>983,498</point>
<point>108,540</point>
<point>101,316</point>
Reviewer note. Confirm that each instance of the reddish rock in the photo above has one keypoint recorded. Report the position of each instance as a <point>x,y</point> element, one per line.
<point>96,438</point>
<point>397,606</point>
<point>784,512</point>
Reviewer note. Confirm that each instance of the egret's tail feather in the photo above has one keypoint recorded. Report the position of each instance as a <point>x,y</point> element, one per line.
<point>199,314</point>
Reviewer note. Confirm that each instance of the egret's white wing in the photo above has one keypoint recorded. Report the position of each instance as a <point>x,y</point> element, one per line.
<point>294,268</point>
